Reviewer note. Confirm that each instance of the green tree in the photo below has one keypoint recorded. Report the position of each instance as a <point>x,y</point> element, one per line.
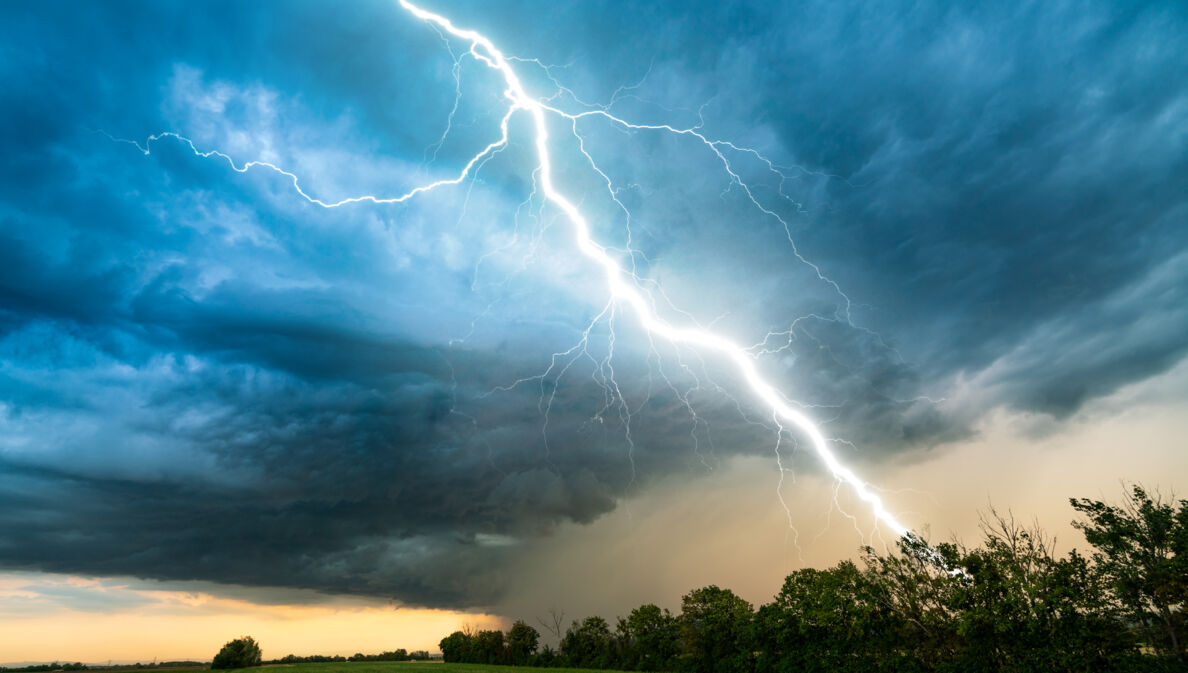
<point>649,639</point>
<point>456,647</point>
<point>588,644</point>
<point>916,587</point>
<point>522,641</point>
<point>1023,609</point>
<point>1142,547</point>
<point>239,653</point>
<point>488,648</point>
<point>1007,605</point>
<point>827,620</point>
<point>716,631</point>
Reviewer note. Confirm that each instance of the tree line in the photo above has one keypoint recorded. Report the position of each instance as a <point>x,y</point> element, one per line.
<point>40,668</point>
<point>79,666</point>
<point>1009,605</point>
<point>395,655</point>
<point>244,652</point>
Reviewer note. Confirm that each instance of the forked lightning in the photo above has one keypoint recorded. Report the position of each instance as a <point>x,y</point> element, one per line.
<point>622,283</point>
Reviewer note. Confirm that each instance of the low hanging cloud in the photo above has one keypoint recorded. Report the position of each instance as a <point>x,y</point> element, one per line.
<point>205,378</point>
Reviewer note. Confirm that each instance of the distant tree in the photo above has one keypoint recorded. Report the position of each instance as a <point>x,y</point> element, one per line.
<point>1142,548</point>
<point>649,639</point>
<point>488,648</point>
<point>547,658</point>
<point>46,668</point>
<point>522,641</point>
<point>239,653</point>
<point>456,648</point>
<point>588,644</point>
<point>554,623</point>
<point>716,631</point>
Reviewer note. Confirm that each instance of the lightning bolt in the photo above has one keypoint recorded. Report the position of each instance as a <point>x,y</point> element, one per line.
<point>623,283</point>
<point>617,277</point>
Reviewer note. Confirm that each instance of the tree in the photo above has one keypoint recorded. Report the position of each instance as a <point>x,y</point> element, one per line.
<point>588,644</point>
<point>488,648</point>
<point>239,653</point>
<point>548,658</point>
<point>1024,609</point>
<point>649,638</point>
<point>916,587</point>
<point>715,631</point>
<point>826,620</point>
<point>553,623</point>
<point>1007,605</point>
<point>1142,547</point>
<point>456,647</point>
<point>522,641</point>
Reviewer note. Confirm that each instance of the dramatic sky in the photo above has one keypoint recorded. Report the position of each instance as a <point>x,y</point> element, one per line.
<point>958,238</point>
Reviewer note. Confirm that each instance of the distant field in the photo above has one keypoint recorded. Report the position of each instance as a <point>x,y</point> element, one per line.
<point>414,667</point>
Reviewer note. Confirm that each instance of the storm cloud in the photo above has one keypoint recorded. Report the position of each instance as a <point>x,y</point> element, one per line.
<point>204,377</point>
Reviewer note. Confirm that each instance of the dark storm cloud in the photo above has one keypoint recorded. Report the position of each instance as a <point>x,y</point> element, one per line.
<point>1014,171</point>
<point>204,378</point>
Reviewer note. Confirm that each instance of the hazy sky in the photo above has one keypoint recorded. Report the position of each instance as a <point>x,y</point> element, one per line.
<point>962,246</point>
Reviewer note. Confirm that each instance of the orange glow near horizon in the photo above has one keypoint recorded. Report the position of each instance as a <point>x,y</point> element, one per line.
<point>166,624</point>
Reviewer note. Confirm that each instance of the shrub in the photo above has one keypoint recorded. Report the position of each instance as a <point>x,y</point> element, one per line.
<point>239,653</point>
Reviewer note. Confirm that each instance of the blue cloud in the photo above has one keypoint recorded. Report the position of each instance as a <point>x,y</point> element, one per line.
<point>204,377</point>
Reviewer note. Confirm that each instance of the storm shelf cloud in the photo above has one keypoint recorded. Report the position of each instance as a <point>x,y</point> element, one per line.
<point>204,377</point>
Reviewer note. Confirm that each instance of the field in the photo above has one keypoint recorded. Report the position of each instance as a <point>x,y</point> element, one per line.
<point>415,667</point>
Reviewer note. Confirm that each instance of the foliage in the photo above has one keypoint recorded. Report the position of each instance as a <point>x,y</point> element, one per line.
<point>39,668</point>
<point>826,620</point>
<point>589,644</point>
<point>649,639</point>
<point>715,631</point>
<point>1008,605</point>
<point>395,655</point>
<point>1142,548</point>
<point>488,648</point>
<point>239,653</point>
<point>412,667</point>
<point>311,659</point>
<point>456,648</point>
<point>522,641</point>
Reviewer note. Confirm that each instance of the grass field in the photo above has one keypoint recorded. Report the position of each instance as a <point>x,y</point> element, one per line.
<point>413,667</point>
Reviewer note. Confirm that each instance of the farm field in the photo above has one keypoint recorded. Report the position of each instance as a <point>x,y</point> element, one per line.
<point>413,667</point>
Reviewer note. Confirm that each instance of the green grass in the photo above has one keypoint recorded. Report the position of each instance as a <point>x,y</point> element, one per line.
<point>415,667</point>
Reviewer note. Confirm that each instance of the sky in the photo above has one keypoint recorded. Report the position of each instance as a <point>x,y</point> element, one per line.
<point>956,237</point>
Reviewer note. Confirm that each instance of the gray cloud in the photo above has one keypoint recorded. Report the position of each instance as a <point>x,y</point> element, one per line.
<point>204,378</point>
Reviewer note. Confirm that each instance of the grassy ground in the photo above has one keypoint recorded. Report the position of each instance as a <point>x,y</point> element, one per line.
<point>413,667</point>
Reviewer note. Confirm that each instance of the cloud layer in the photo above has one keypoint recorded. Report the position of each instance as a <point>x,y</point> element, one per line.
<point>206,378</point>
